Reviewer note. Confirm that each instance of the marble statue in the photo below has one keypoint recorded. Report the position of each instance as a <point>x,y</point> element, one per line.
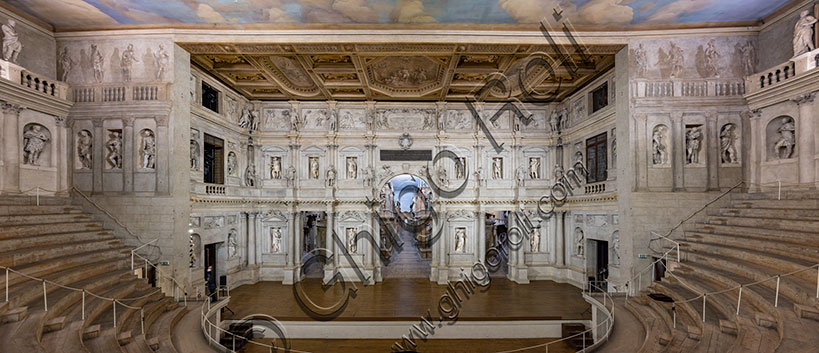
<point>331,176</point>
<point>711,59</point>
<point>748,55</point>
<point>232,164</point>
<point>802,34</point>
<point>161,60</point>
<point>675,60</point>
<point>275,168</point>
<point>352,168</point>
<point>787,139</point>
<point>232,243</point>
<point>114,146</point>
<point>479,175</point>
<point>460,168</point>
<point>727,139</point>
<point>11,42</point>
<point>275,239</point>
<point>34,142</point>
<point>460,240</point>
<point>564,119</point>
<point>658,145</point>
<point>250,175</point>
<point>641,60</point>
<point>558,173</point>
<point>613,149</point>
<point>314,167</point>
<point>126,62</point>
<point>616,249</point>
<point>534,168</point>
<point>148,149</point>
<point>84,151</point>
<point>368,175</point>
<point>291,175</point>
<point>97,63</point>
<point>352,247</point>
<point>554,121</point>
<point>294,121</point>
<point>194,154</point>
<point>245,119</point>
<point>497,168</point>
<point>534,240</point>
<point>579,242</point>
<point>441,120</point>
<point>520,175</point>
<point>693,138</point>
<point>443,178</point>
<point>66,63</point>
<point>333,119</point>
<point>254,120</point>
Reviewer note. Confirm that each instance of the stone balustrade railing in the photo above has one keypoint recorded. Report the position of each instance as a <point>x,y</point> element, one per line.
<point>596,188</point>
<point>135,92</point>
<point>215,189</point>
<point>33,81</point>
<point>642,88</point>
<point>782,73</point>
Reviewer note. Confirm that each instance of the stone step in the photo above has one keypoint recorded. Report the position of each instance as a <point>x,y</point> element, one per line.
<point>23,336</point>
<point>796,214</point>
<point>95,307</point>
<point>802,252</point>
<point>69,339</point>
<point>15,259</point>
<point>44,268</point>
<point>789,193</point>
<point>777,263</point>
<point>90,332</point>
<point>106,342</point>
<point>128,319</point>
<point>54,324</point>
<point>782,204</point>
<point>31,200</point>
<point>14,314</point>
<point>728,327</point>
<point>11,231</point>
<point>163,328</point>
<point>44,219</point>
<point>807,311</point>
<point>153,343</point>
<point>36,210</point>
<point>796,238</point>
<point>30,241</point>
<point>767,223</point>
<point>124,338</point>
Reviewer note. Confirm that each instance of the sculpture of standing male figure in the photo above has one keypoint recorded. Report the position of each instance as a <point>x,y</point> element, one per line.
<point>115,150</point>
<point>11,42</point>
<point>161,59</point>
<point>148,150</point>
<point>34,143</point>
<point>128,59</point>
<point>802,34</point>
<point>97,61</point>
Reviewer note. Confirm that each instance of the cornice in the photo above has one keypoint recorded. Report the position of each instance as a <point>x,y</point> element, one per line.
<point>38,101</point>
<point>801,84</point>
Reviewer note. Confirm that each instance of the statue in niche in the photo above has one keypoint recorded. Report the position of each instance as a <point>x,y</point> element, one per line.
<point>460,240</point>
<point>534,168</point>
<point>333,119</point>
<point>194,154</point>
<point>613,149</point>
<point>294,120</point>
<point>331,176</point>
<point>711,56</point>
<point>254,120</point>
<point>368,175</point>
<point>34,141</point>
<point>641,60</point>
<point>554,121</point>
<point>126,62</point>
<point>534,240</point>
<point>520,175</point>
<point>11,42</point>
<point>97,63</point>
<point>479,175</point>
<point>291,175</point>
<point>114,146</point>
<point>616,248</point>
<point>658,145</point>
<point>441,120</point>
<point>352,247</point>
<point>564,119</point>
<point>232,243</point>
<point>693,138</point>
<point>558,173</point>
<point>84,151</point>
<point>787,139</point>
<point>460,168</point>
<point>579,242</point>
<point>232,164</point>
<point>161,60</point>
<point>275,239</point>
<point>497,168</point>
<point>250,175</point>
<point>352,168</point>
<point>727,138</point>
<point>148,149</point>
<point>314,167</point>
<point>748,55</point>
<point>194,244</point>
<point>802,34</point>
<point>245,119</point>
<point>275,167</point>
<point>66,63</point>
<point>443,178</point>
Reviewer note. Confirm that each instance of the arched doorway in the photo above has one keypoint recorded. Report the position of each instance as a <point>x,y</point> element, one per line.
<point>406,210</point>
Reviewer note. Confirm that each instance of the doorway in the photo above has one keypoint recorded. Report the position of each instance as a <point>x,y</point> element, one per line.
<point>314,230</point>
<point>407,214</point>
<point>599,265</point>
<point>659,268</point>
<point>497,243</point>
<point>213,160</point>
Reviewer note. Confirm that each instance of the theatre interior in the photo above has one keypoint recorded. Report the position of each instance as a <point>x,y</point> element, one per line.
<point>409,176</point>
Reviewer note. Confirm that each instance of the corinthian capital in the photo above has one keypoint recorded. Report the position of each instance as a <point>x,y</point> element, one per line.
<point>804,98</point>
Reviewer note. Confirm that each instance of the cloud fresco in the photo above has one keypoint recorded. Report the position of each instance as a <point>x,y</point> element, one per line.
<point>619,13</point>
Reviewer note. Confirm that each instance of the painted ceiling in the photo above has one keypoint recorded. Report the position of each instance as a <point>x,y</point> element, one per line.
<point>66,14</point>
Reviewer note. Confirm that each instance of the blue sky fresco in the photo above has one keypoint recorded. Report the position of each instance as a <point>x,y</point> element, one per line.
<point>603,13</point>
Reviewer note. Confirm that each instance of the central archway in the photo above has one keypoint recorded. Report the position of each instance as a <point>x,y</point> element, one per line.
<point>406,209</point>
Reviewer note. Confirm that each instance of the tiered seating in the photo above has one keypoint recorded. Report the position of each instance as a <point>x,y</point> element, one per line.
<point>58,242</point>
<point>754,237</point>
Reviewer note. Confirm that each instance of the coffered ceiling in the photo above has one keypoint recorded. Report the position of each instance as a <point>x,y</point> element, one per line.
<point>428,72</point>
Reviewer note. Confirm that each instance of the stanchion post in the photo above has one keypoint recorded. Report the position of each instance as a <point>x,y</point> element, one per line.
<point>83,305</point>
<point>703,306</point>
<point>776,297</point>
<point>45,296</point>
<point>114,303</point>
<point>739,299</point>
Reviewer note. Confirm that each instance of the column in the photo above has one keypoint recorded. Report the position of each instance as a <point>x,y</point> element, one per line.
<point>560,251</point>
<point>128,157</point>
<point>99,155</point>
<point>251,238</point>
<point>330,242</point>
<point>711,144</point>
<point>755,134</point>
<point>163,153</point>
<point>63,154</point>
<point>678,152</point>
<point>289,239</point>
<point>481,236</point>
<point>806,149</point>
<point>11,147</point>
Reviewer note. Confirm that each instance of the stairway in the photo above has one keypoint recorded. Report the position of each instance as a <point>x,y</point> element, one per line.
<point>59,242</point>
<point>753,237</point>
